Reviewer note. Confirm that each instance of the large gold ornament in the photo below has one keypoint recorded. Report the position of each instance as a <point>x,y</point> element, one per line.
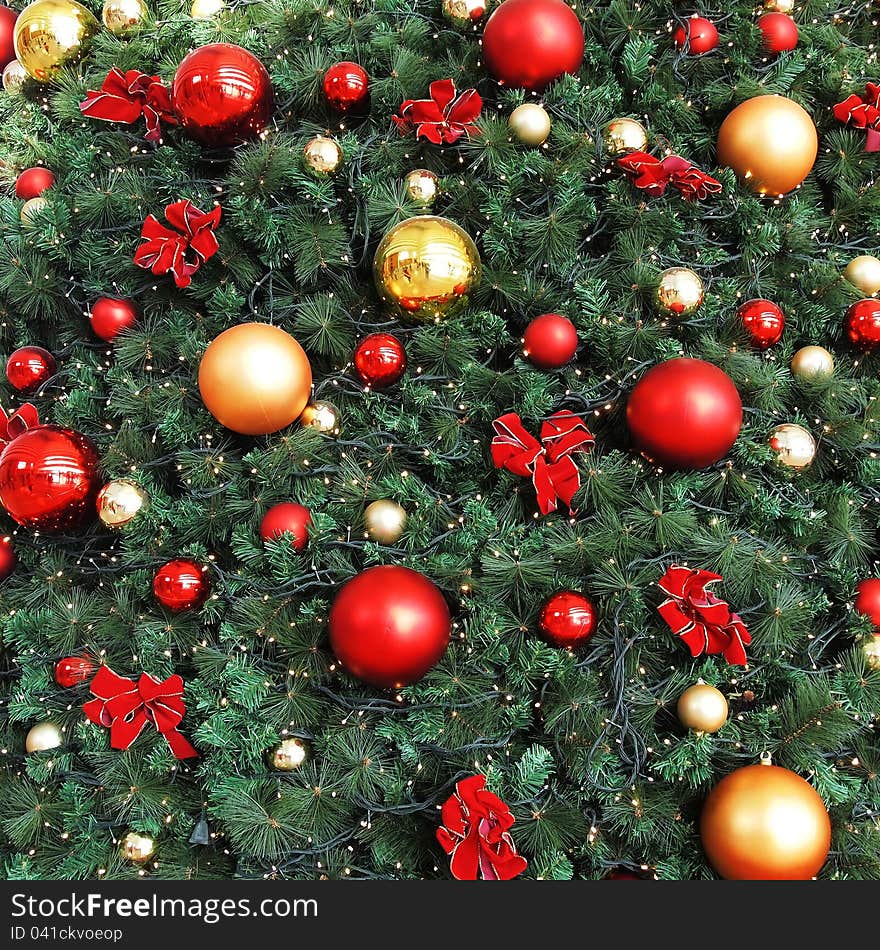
<point>864,272</point>
<point>14,77</point>
<point>205,9</point>
<point>137,848</point>
<point>530,123</point>
<point>793,445</point>
<point>812,362</point>
<point>123,16</point>
<point>679,292</point>
<point>288,755</point>
<point>464,12</point>
<point>422,186</point>
<point>426,268</point>
<point>702,707</point>
<point>50,34</point>
<point>322,155</point>
<point>119,501</point>
<point>385,521</point>
<point>322,416</point>
<point>31,210</point>
<point>624,135</point>
<point>43,736</point>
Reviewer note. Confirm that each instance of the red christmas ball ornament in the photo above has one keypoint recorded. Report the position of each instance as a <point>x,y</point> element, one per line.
<point>222,95</point>
<point>346,85</point>
<point>529,43</point>
<point>780,32</point>
<point>32,182</point>
<point>8,560</point>
<point>700,36</point>
<point>73,670</point>
<point>287,518</point>
<point>389,625</point>
<point>863,323</point>
<point>181,585</point>
<point>7,32</point>
<point>550,341</point>
<point>684,413</point>
<point>568,619</point>
<point>29,367</point>
<point>109,317</point>
<point>763,321</point>
<point>868,599</point>
<point>380,360</point>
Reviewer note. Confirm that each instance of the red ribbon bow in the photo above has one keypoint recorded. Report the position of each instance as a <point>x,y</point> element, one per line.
<point>127,707</point>
<point>125,97</point>
<point>445,117</point>
<point>13,424</point>
<point>653,175</point>
<point>864,113</point>
<point>183,251</point>
<point>548,462</point>
<point>476,834</point>
<point>705,622</point>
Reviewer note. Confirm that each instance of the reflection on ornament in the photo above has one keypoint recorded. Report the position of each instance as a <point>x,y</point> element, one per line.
<point>530,123</point>
<point>14,76</point>
<point>863,272</point>
<point>119,501</point>
<point>204,9</point>
<point>422,186</point>
<point>43,736</point>
<point>323,155</point>
<point>812,362</point>
<point>123,16</point>
<point>288,755</point>
<point>137,848</point>
<point>679,291</point>
<point>50,34</point>
<point>385,521</point>
<point>794,446</point>
<point>31,211</point>
<point>624,135</point>
<point>322,416</point>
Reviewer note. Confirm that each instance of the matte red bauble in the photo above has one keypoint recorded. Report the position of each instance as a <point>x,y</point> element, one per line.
<point>49,478</point>
<point>763,321</point>
<point>8,560</point>
<point>181,585</point>
<point>346,85</point>
<point>529,43</point>
<point>74,669</point>
<point>389,625</point>
<point>289,518</point>
<point>863,323</point>
<point>568,619</point>
<point>780,32</point>
<point>684,413</point>
<point>380,360</point>
<point>868,599</point>
<point>109,317</point>
<point>32,182</point>
<point>29,367</point>
<point>550,341</point>
<point>222,95</point>
<point>7,32</point>
<point>700,35</point>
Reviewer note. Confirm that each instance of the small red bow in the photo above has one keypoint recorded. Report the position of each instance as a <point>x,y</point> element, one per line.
<point>705,622</point>
<point>125,97</point>
<point>165,250</point>
<point>653,175</point>
<point>445,117</point>
<point>864,113</point>
<point>13,424</point>
<point>127,707</point>
<point>548,462</point>
<point>476,834</point>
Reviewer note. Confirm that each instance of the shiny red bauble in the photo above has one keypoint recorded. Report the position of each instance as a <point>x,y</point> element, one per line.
<point>529,43</point>
<point>763,321</point>
<point>32,182</point>
<point>780,32</point>
<point>863,323</point>
<point>550,341</point>
<point>700,36</point>
<point>29,367</point>
<point>8,560</point>
<point>380,360</point>
<point>222,95</point>
<point>49,478</point>
<point>568,619</point>
<point>109,317</point>
<point>74,669</point>
<point>868,599</point>
<point>684,413</point>
<point>7,32</point>
<point>346,85</point>
<point>287,518</point>
<point>181,585</point>
<point>389,625</point>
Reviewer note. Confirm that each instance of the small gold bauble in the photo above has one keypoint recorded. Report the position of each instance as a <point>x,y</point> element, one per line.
<point>50,34</point>
<point>702,708</point>
<point>137,848</point>
<point>32,209</point>
<point>385,521</point>
<point>205,9</point>
<point>422,186</point>
<point>119,501</point>
<point>793,445</point>
<point>812,362</point>
<point>322,416</point>
<point>679,291</point>
<point>288,755</point>
<point>464,12</point>
<point>44,735</point>
<point>624,135</point>
<point>530,123</point>
<point>779,6</point>
<point>323,155</point>
<point>123,16</point>
<point>871,651</point>
<point>864,272</point>
<point>14,76</point>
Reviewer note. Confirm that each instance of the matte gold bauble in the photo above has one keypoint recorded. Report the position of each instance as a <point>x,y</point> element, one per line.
<point>793,445</point>
<point>779,6</point>
<point>31,210</point>
<point>702,707</point>
<point>322,416</point>
<point>426,268</point>
<point>205,9</point>
<point>871,651</point>
<point>50,34</point>
<point>322,155</point>
<point>14,77</point>
<point>624,135</point>
<point>864,272</point>
<point>770,142</point>
<point>43,736</point>
<point>123,16</point>
<point>530,123</point>
<point>679,292</point>
<point>464,12</point>
<point>385,521</point>
<point>288,755</point>
<point>119,501</point>
<point>422,186</point>
<point>137,848</point>
<point>812,362</point>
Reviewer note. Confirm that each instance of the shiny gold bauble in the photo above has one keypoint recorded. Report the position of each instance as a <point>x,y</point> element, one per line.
<point>793,445</point>
<point>702,708</point>
<point>530,123</point>
<point>32,209</point>
<point>322,155</point>
<point>765,823</point>
<point>255,378</point>
<point>770,142</point>
<point>679,292</point>
<point>288,755</point>
<point>322,416</point>
<point>864,272</point>
<point>43,736</point>
<point>422,186</point>
<point>426,268</point>
<point>50,34</point>
<point>871,651</point>
<point>779,6</point>
<point>205,9</point>
<point>137,848</point>
<point>385,521</point>
<point>464,12</point>
<point>624,135</point>
<point>119,501</point>
<point>14,77</point>
<point>123,16</point>
<point>812,362</point>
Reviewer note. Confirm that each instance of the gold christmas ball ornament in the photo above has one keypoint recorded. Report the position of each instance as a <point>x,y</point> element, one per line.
<point>123,16</point>
<point>119,501</point>
<point>137,848</point>
<point>871,651</point>
<point>864,272</point>
<point>288,755</point>
<point>422,186</point>
<point>702,707</point>
<point>385,521</point>
<point>426,268</point>
<point>812,362</point>
<point>679,292</point>
<point>50,34</point>
<point>464,12</point>
<point>205,9</point>
<point>32,209</point>
<point>793,445</point>
<point>624,135</point>
<point>14,77</point>
<point>530,123</point>
<point>322,416</point>
<point>322,155</point>
<point>779,6</point>
<point>43,736</point>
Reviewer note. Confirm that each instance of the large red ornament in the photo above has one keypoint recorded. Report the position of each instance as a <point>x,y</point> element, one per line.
<point>287,518</point>
<point>763,321</point>
<point>109,317</point>
<point>74,669</point>
<point>780,32</point>
<point>346,85</point>
<point>222,95</point>
<point>863,323</point>
<point>550,341</point>
<point>181,585</point>
<point>380,360</point>
<point>700,35</point>
<point>684,413</point>
<point>29,367</point>
<point>868,599</point>
<point>389,625</point>
<point>529,43</point>
<point>7,31</point>
<point>8,560</point>
<point>568,619</point>
<point>32,182</point>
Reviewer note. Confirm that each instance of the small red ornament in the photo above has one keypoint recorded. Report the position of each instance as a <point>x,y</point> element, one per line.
<point>287,518</point>
<point>181,585</point>
<point>529,43</point>
<point>7,31</point>
<point>868,599</point>
<point>863,323</point>
<point>700,35</point>
<point>763,322</point>
<point>346,85</point>
<point>74,669</point>
<point>684,413</point>
<point>568,619</point>
<point>550,341</point>
<point>32,182</point>
<point>109,317</point>
<point>8,560</point>
<point>380,360</point>
<point>780,32</point>
<point>29,367</point>
<point>389,625</point>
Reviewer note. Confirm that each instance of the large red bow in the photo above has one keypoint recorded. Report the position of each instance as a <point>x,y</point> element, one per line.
<point>653,175</point>
<point>125,97</point>
<point>548,462</point>
<point>476,834</point>
<point>183,251</point>
<point>13,424</point>
<point>705,622</point>
<point>127,707</point>
<point>864,113</point>
<point>445,117</point>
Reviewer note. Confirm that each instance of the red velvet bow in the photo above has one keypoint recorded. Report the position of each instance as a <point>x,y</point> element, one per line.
<point>476,834</point>
<point>864,113</point>
<point>548,462</point>
<point>705,622</point>
<point>445,117</point>
<point>653,175</point>
<point>127,707</point>
<point>124,97</point>
<point>181,253</point>
<point>13,424</point>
